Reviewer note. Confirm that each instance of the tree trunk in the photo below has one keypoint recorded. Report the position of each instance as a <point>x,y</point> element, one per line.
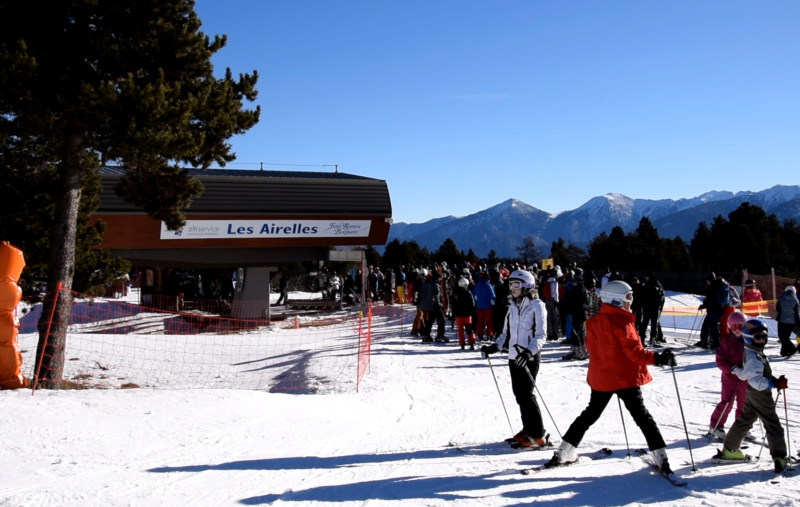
<point>60,270</point>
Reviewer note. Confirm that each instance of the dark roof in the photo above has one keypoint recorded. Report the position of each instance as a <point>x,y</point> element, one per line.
<point>242,191</point>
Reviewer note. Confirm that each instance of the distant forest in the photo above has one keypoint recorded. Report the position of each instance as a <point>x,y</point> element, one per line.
<point>747,239</point>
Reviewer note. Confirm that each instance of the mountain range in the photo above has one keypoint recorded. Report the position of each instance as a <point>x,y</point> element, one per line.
<point>502,227</point>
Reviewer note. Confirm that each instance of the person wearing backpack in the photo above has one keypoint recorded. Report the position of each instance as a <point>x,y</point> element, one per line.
<point>712,304</point>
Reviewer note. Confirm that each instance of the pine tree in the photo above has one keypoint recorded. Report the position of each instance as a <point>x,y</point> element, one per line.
<point>86,83</point>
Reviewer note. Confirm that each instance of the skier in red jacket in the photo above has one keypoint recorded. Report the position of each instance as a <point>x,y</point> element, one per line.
<point>617,365</point>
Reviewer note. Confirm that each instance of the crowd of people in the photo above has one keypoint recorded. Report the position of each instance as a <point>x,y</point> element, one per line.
<point>615,326</point>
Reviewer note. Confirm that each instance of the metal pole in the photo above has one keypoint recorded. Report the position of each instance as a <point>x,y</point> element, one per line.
<point>625,431</point>
<point>501,395</point>
<point>724,410</point>
<point>788,440</point>
<point>689,442</point>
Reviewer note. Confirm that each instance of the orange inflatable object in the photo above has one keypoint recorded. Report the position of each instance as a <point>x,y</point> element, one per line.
<point>11,264</point>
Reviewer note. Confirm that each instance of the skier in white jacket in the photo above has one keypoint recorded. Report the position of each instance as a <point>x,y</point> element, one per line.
<point>523,335</point>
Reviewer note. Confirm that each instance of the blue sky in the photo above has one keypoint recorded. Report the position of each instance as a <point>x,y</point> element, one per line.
<point>461,105</point>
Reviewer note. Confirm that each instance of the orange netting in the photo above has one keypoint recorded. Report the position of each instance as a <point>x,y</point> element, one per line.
<point>119,344</point>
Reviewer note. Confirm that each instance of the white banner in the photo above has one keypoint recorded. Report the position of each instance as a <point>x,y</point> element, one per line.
<point>271,229</point>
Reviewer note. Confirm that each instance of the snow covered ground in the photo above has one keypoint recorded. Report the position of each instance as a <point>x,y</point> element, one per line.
<point>423,430</point>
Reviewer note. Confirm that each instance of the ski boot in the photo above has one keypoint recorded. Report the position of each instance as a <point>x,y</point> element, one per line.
<point>564,455</point>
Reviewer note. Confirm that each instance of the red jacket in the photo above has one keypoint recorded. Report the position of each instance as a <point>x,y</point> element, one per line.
<point>617,359</point>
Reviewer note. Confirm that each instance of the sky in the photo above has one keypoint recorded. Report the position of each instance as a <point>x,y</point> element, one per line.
<point>424,429</point>
<point>461,105</point>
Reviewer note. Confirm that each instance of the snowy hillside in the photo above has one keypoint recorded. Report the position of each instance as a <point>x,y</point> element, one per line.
<point>423,430</point>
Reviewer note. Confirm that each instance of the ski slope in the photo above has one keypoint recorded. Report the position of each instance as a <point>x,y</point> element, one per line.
<point>423,430</point>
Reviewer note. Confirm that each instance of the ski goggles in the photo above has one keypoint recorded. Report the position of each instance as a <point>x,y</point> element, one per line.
<point>515,285</point>
<point>760,337</point>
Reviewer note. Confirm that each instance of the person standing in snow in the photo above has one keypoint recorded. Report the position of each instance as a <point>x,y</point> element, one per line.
<point>758,401</point>
<point>786,313</point>
<point>523,335</point>
<point>652,304</point>
<point>751,294</point>
<point>734,387</point>
<point>709,329</point>
<point>551,301</point>
<point>463,306</point>
<point>484,301</point>
<point>430,302</point>
<point>576,304</point>
<point>617,365</point>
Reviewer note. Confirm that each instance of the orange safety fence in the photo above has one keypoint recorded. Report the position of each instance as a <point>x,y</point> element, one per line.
<point>120,344</point>
<point>757,308</point>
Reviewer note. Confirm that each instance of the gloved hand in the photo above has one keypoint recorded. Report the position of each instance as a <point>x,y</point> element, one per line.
<point>524,356</point>
<point>739,372</point>
<point>665,358</point>
<point>780,382</point>
<point>488,350</point>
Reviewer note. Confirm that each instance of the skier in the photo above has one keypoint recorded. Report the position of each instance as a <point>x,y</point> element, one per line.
<point>576,305</point>
<point>758,402</point>
<point>751,295</point>
<point>525,326</point>
<point>786,313</point>
<point>463,308</point>
<point>430,302</point>
<point>709,329</point>
<point>729,360</point>
<point>617,365</point>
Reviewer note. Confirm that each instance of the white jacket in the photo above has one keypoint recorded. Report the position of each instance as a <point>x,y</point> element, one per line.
<point>525,325</point>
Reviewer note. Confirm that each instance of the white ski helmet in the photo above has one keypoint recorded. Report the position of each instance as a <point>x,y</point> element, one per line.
<point>617,293</point>
<point>423,272</point>
<point>527,279</point>
<point>463,282</point>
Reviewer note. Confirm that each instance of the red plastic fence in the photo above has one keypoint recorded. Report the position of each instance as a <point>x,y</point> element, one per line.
<point>119,344</point>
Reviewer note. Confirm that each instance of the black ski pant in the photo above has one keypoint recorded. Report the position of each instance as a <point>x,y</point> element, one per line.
<point>526,399</point>
<point>632,398</point>
<point>785,336</point>
<point>709,330</point>
<point>650,316</point>
<point>438,314</point>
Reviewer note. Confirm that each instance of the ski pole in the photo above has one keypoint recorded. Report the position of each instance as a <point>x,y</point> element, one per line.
<point>678,392</point>
<point>501,395</point>
<point>724,410</point>
<point>627,446</point>
<point>691,331</point>
<point>533,382</point>
<point>788,440</point>
<point>777,397</point>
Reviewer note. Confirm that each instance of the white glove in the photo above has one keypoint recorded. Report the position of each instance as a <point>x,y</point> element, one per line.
<point>739,372</point>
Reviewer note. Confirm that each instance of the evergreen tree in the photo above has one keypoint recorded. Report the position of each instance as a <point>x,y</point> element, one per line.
<point>86,83</point>
<point>528,252</point>
<point>448,252</point>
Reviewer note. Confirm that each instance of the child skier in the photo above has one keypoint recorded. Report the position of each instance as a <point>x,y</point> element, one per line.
<point>617,365</point>
<point>526,327</point>
<point>734,385</point>
<point>758,403</point>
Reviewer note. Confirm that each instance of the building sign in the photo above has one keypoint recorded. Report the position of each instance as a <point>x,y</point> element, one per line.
<point>271,229</point>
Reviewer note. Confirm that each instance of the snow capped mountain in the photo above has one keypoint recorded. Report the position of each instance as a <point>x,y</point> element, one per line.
<point>501,227</point>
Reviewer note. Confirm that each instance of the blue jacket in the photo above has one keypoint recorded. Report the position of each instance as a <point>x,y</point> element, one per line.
<point>484,295</point>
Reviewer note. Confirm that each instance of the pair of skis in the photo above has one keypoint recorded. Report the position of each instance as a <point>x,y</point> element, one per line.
<point>606,453</point>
